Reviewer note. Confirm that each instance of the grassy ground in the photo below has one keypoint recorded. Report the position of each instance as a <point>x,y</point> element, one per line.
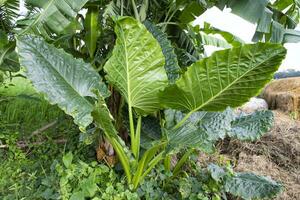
<point>28,147</point>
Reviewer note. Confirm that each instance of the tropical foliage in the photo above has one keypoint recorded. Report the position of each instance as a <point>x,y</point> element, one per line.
<point>134,74</point>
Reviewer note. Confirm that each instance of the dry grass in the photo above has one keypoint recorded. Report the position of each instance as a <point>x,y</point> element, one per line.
<point>277,155</point>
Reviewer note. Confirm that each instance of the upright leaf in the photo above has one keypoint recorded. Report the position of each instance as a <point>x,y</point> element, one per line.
<point>251,186</point>
<point>136,67</point>
<point>172,68</point>
<point>227,78</point>
<point>64,80</point>
<point>92,30</point>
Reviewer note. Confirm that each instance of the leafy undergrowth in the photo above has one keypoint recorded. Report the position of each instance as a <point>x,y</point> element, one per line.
<point>44,159</point>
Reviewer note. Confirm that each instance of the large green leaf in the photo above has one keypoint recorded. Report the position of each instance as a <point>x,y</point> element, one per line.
<point>227,78</point>
<point>56,15</point>
<point>251,186</point>
<point>203,129</point>
<point>64,80</point>
<point>251,127</point>
<point>136,66</point>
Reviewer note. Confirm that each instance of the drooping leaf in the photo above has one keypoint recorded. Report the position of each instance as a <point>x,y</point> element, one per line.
<point>55,15</point>
<point>185,42</point>
<point>226,78</point>
<point>277,32</point>
<point>171,66</point>
<point>104,120</point>
<point>251,127</point>
<point>251,186</point>
<point>265,21</point>
<point>63,80</point>
<point>191,11</point>
<point>291,36</point>
<point>9,11</point>
<point>247,9</point>
<point>136,67</point>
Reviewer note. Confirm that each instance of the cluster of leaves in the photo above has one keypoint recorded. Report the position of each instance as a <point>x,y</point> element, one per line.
<point>96,66</point>
<point>77,180</point>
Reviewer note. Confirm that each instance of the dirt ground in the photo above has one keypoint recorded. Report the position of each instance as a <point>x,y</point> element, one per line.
<point>277,155</point>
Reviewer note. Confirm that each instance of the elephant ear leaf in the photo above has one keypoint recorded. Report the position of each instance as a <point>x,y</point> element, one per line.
<point>63,80</point>
<point>226,78</point>
<point>251,186</point>
<point>136,67</point>
<point>251,127</point>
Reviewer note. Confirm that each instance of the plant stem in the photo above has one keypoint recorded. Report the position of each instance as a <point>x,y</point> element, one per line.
<point>166,23</point>
<point>183,120</point>
<point>167,163</point>
<point>122,156</point>
<point>138,137</point>
<point>136,13</point>
<point>152,164</point>
<point>182,161</point>
<point>122,7</point>
<point>132,132</point>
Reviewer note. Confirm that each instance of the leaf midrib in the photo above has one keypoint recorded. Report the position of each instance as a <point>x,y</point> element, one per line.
<point>234,82</point>
<point>127,67</point>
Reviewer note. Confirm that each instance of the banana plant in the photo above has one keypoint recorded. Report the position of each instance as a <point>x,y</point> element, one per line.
<point>196,100</point>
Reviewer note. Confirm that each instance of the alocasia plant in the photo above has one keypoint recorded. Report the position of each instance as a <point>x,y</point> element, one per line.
<point>136,69</point>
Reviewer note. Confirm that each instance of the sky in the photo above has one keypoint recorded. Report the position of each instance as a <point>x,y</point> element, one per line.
<point>234,24</point>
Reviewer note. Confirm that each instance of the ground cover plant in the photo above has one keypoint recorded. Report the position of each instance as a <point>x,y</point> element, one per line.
<point>134,77</point>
